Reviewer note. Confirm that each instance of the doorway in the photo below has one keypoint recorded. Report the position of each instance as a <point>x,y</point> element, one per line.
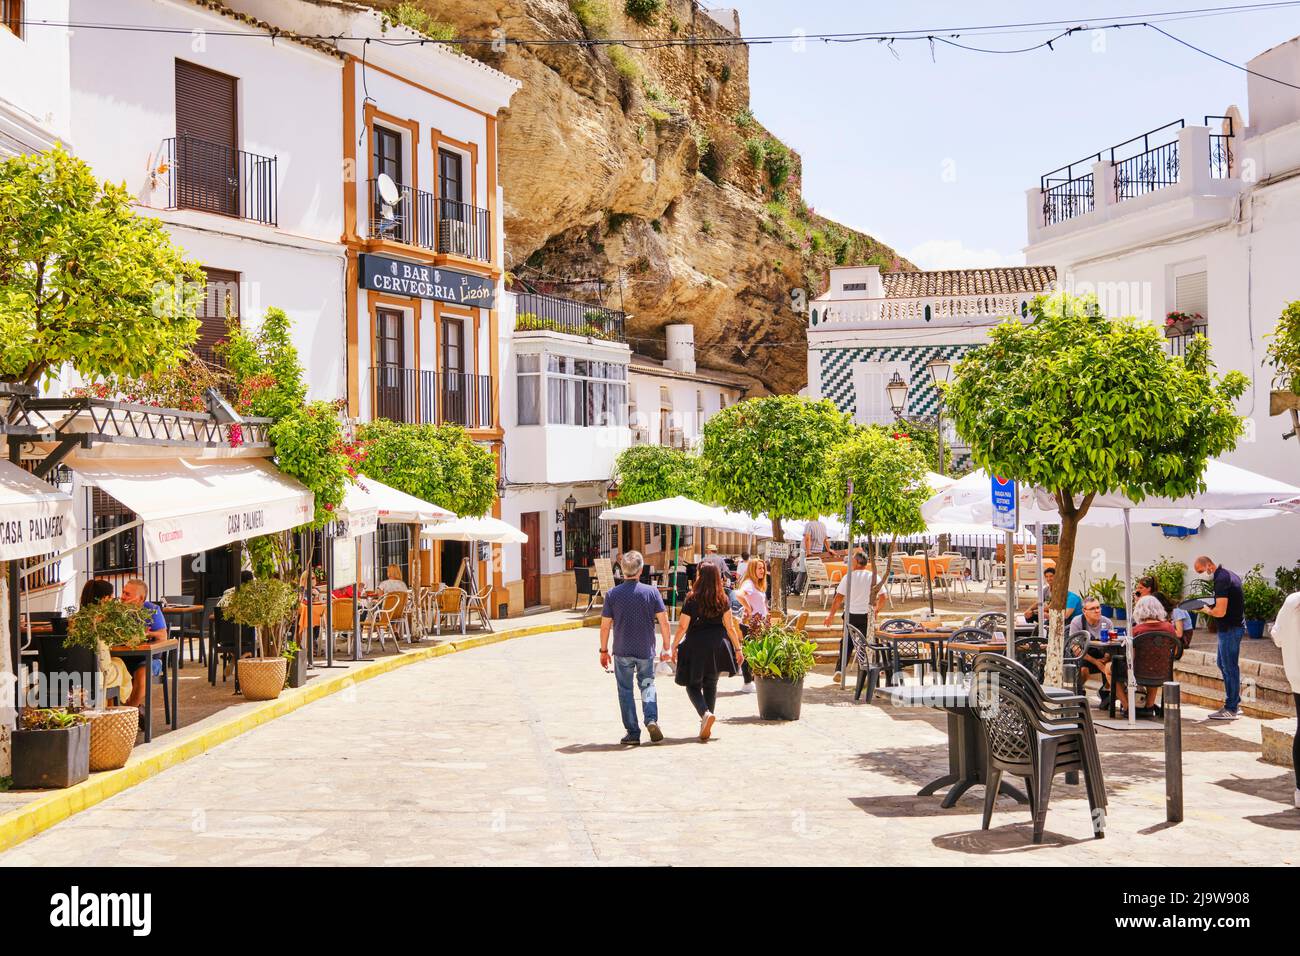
<point>530,523</point>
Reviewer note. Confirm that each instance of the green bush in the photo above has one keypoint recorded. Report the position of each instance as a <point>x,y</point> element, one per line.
<point>112,621</point>
<point>421,21</point>
<point>756,150</point>
<point>623,61</point>
<point>642,11</point>
<point>1170,575</point>
<point>779,652</point>
<point>267,604</point>
<point>593,15</point>
<point>779,163</point>
<point>1288,579</point>
<point>744,119</point>
<point>1262,600</point>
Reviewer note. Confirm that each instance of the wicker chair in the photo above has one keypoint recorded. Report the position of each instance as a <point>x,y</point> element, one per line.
<point>1034,737</point>
<point>343,614</point>
<point>1153,659</point>
<point>451,609</point>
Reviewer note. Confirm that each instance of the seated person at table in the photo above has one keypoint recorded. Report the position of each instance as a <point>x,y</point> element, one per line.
<point>393,582</point>
<point>1149,617</point>
<point>1073,603</point>
<point>112,671</point>
<point>1180,619</point>
<point>1092,623</point>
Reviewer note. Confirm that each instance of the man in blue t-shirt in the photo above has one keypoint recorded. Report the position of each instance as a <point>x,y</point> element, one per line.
<point>1073,602</point>
<point>134,592</point>
<point>1229,608</point>
<point>633,611</point>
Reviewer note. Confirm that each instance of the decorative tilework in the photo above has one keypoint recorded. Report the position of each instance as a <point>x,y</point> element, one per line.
<point>922,396</point>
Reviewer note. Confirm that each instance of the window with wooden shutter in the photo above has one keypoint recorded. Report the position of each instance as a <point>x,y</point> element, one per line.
<point>222,284</point>
<point>11,16</point>
<point>207,140</point>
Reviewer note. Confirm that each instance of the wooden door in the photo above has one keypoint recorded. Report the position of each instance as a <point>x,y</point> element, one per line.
<point>207,140</point>
<point>531,553</point>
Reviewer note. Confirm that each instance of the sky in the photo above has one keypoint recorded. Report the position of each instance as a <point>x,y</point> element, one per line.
<point>933,156</point>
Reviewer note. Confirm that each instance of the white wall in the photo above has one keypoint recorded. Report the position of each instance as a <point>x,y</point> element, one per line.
<point>684,395</point>
<point>34,111</point>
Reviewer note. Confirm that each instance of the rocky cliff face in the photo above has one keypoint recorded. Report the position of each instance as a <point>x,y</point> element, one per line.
<point>643,169</point>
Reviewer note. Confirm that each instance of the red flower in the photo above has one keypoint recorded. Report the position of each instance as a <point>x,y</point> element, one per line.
<point>236,436</point>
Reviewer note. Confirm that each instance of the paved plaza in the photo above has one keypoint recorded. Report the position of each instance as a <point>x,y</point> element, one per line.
<point>508,754</point>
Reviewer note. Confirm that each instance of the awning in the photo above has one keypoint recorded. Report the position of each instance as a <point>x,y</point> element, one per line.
<point>486,528</point>
<point>35,517</point>
<point>189,505</point>
<point>681,511</point>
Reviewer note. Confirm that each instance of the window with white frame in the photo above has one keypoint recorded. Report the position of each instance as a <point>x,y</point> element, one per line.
<point>555,389</point>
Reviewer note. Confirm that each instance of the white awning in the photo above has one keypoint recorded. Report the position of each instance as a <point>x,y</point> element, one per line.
<point>35,517</point>
<point>487,528</point>
<point>190,505</point>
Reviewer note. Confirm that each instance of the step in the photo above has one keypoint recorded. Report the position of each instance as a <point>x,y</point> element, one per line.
<point>1265,691</point>
<point>1277,738</point>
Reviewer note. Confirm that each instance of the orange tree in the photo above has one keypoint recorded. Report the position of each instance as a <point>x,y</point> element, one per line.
<point>1079,404</point>
<point>770,455</point>
<point>652,472</point>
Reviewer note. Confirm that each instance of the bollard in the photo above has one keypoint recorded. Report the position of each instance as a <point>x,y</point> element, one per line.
<point>1172,697</point>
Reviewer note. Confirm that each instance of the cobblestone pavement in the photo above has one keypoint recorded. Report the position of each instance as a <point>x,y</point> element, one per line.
<point>508,754</point>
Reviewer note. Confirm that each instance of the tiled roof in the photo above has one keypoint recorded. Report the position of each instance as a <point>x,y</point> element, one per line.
<point>921,285</point>
<point>216,7</point>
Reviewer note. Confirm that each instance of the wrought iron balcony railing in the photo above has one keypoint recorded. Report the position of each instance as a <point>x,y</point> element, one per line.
<point>416,396</point>
<point>214,178</point>
<point>419,218</point>
<point>536,311</point>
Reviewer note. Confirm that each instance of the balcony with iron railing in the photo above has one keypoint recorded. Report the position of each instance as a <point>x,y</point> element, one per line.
<point>414,217</point>
<point>418,396</point>
<point>538,312</point>
<point>210,177</point>
<point>1174,155</point>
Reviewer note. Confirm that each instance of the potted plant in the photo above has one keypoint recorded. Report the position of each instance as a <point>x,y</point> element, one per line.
<point>51,749</point>
<point>780,657</point>
<point>1170,575</point>
<point>1110,592</point>
<point>1261,601</point>
<point>267,604</point>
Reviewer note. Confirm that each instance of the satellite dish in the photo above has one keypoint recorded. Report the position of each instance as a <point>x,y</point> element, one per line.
<point>388,190</point>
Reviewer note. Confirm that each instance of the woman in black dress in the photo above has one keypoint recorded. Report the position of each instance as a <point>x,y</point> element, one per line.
<point>701,650</point>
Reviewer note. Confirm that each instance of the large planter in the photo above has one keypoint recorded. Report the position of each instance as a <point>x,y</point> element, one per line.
<point>779,699</point>
<point>1255,629</point>
<point>298,669</point>
<point>1108,611</point>
<point>261,678</point>
<point>50,759</point>
<point>112,736</point>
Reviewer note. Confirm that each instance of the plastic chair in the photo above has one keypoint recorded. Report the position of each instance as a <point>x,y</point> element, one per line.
<point>585,585</point>
<point>1034,738</point>
<point>992,621</point>
<point>816,577</point>
<point>962,661</point>
<point>343,613</point>
<point>899,574</point>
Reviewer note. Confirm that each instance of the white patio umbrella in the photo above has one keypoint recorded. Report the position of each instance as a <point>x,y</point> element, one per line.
<point>681,511</point>
<point>1231,494</point>
<point>486,528</point>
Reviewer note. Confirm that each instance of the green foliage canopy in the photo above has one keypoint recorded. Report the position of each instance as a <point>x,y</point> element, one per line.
<point>85,281</point>
<point>1284,349</point>
<point>769,454</point>
<point>436,463</point>
<point>889,485</point>
<point>652,472</point>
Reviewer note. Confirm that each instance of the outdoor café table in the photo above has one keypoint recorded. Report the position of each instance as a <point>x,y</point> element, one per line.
<point>967,749</point>
<point>935,637</point>
<point>169,649</point>
<point>180,611</point>
<point>916,566</point>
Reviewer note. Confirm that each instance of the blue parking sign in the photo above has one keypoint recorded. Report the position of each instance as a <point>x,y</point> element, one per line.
<point>1006,514</point>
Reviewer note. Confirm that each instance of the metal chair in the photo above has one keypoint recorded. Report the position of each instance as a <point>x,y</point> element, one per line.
<point>182,630</point>
<point>953,578</point>
<point>899,574</point>
<point>585,585</point>
<point>1035,738</point>
<point>992,621</point>
<point>478,604</point>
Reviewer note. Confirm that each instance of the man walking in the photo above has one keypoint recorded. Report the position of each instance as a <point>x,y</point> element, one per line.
<point>631,611</point>
<point>860,604</point>
<point>1229,608</point>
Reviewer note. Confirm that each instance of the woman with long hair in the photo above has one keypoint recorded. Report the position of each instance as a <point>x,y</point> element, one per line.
<point>700,652</point>
<point>112,671</point>
<point>752,594</point>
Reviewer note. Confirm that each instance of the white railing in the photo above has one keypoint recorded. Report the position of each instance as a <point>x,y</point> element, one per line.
<point>852,311</point>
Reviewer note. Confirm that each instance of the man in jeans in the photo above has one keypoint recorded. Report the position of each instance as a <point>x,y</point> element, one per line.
<point>632,610</point>
<point>1229,608</point>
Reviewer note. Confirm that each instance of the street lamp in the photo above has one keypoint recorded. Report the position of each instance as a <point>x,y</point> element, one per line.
<point>939,369</point>
<point>896,388</point>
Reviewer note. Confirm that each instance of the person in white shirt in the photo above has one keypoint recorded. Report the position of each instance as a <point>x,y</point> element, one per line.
<point>742,566</point>
<point>864,579</point>
<point>393,582</point>
<point>1286,635</point>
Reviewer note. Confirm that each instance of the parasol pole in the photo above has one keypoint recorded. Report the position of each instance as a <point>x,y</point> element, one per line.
<point>1128,624</point>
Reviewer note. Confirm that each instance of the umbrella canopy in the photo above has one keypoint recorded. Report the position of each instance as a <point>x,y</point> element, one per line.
<point>1231,494</point>
<point>681,511</point>
<point>391,506</point>
<point>487,528</point>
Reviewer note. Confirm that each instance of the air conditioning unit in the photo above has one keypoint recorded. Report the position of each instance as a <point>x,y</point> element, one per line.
<point>454,237</point>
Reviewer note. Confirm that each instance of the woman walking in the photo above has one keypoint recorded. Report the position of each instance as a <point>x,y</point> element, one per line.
<point>700,646</point>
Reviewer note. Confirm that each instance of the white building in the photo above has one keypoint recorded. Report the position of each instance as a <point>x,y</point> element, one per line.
<point>869,326</point>
<point>1200,218</point>
<point>264,156</point>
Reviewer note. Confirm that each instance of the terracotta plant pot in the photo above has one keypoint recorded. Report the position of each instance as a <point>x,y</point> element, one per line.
<point>261,678</point>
